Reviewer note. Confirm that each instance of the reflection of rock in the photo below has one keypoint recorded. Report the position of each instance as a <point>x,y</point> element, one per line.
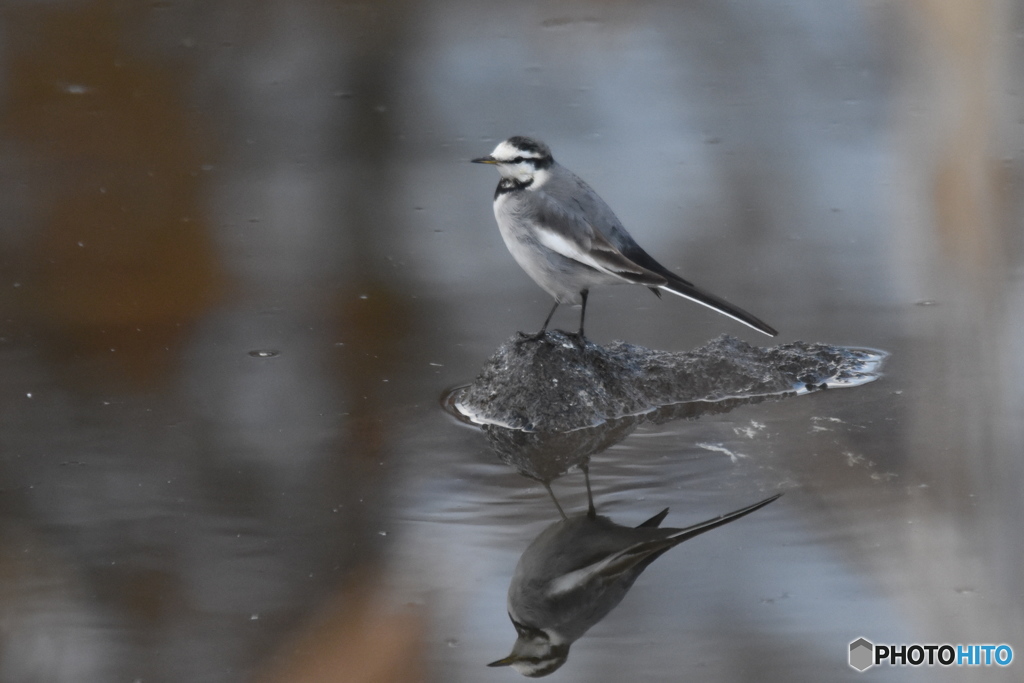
<point>545,456</point>
<point>553,385</point>
<point>576,572</point>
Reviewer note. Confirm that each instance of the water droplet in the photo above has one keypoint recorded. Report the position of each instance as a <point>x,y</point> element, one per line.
<point>264,353</point>
<point>926,302</point>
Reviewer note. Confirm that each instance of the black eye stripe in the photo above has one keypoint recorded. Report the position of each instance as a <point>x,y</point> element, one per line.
<point>537,162</point>
<point>528,631</point>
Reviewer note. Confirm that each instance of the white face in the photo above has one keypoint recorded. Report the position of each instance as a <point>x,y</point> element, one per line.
<point>537,657</point>
<point>518,164</point>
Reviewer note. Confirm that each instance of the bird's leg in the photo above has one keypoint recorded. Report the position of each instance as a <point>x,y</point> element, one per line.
<point>583,309</point>
<point>555,500</point>
<point>591,510</point>
<point>580,339</point>
<point>543,329</point>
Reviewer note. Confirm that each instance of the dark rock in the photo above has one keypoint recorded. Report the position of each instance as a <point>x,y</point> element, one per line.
<point>557,384</point>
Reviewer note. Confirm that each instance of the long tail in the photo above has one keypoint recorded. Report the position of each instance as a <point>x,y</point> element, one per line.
<point>639,556</point>
<point>697,529</point>
<point>682,288</point>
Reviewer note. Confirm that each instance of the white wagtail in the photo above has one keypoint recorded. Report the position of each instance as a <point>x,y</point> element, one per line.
<point>568,240</point>
<point>576,572</point>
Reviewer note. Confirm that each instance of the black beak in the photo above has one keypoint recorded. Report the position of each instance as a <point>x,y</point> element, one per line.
<point>507,661</point>
<point>484,160</point>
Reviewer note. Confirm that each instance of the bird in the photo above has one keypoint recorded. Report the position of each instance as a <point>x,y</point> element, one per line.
<point>575,572</point>
<point>568,239</point>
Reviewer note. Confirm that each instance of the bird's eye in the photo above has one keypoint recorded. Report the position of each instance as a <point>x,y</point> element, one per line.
<point>518,160</point>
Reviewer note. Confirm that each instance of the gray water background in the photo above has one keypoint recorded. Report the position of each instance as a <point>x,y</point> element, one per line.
<point>242,254</point>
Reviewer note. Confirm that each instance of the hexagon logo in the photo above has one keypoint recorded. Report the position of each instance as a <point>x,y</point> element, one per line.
<point>862,654</point>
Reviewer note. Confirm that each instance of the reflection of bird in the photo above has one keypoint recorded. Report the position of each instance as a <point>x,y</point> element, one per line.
<point>575,573</point>
<point>568,240</point>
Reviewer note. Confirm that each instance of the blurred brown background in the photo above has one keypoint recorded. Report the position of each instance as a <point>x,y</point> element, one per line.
<point>241,256</point>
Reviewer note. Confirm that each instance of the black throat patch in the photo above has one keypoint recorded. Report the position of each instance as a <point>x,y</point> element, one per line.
<point>507,185</point>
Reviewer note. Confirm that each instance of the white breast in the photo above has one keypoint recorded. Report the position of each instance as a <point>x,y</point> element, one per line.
<point>555,271</point>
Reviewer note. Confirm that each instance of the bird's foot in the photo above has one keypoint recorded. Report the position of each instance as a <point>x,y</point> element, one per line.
<point>523,337</point>
<point>578,339</point>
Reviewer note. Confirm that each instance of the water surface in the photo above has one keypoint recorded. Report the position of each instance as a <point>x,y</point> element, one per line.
<point>242,255</point>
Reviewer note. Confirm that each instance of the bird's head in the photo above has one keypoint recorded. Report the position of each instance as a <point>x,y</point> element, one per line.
<point>534,653</point>
<point>520,159</point>
<point>535,658</point>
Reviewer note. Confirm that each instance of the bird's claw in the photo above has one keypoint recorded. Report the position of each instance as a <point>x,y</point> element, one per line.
<point>523,337</point>
<point>578,339</point>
